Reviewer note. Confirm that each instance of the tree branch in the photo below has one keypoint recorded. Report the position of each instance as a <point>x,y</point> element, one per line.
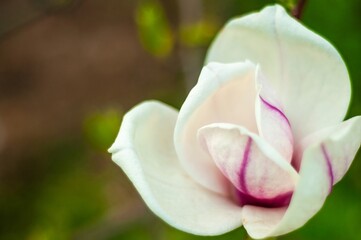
<point>297,11</point>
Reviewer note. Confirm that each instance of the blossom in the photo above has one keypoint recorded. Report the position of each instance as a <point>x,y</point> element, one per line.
<point>258,142</point>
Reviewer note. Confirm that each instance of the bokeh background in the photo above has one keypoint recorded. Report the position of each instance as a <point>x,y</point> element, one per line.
<point>69,69</point>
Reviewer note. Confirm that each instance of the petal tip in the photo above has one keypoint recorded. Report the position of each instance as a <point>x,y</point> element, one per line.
<point>114,148</point>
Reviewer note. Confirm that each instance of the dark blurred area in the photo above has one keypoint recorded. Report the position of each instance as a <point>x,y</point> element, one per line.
<point>69,69</point>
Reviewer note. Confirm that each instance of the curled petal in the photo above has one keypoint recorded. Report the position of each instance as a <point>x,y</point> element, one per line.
<point>145,152</point>
<point>258,172</point>
<point>339,145</point>
<point>304,69</point>
<point>323,163</point>
<point>224,93</point>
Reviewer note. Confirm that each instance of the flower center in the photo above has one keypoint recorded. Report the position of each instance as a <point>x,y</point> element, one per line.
<point>242,199</point>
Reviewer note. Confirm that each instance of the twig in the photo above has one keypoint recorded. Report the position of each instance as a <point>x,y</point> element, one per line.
<point>297,11</point>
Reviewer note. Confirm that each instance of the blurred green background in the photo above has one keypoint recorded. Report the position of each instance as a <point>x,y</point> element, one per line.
<point>69,70</point>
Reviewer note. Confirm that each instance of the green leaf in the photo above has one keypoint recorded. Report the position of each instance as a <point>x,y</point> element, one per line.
<point>101,128</point>
<point>153,28</point>
<point>198,34</point>
<point>288,4</point>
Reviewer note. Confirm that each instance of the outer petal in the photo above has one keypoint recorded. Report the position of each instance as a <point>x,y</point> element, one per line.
<point>144,150</point>
<point>317,175</point>
<point>305,70</point>
<point>250,163</point>
<point>224,93</point>
<point>259,221</point>
<point>337,146</point>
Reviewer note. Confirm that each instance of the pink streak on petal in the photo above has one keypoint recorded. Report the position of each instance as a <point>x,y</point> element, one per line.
<point>278,201</point>
<point>329,165</point>
<point>245,160</point>
<point>270,106</point>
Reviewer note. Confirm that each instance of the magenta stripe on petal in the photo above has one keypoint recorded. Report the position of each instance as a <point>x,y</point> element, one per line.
<point>329,165</point>
<point>278,201</point>
<point>245,160</point>
<point>273,108</point>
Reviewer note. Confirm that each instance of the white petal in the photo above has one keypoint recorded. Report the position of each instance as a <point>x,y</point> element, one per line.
<point>259,221</point>
<point>305,70</point>
<point>307,199</point>
<point>144,150</point>
<point>224,93</point>
<point>339,145</point>
<point>317,175</point>
<point>273,124</point>
<point>259,173</point>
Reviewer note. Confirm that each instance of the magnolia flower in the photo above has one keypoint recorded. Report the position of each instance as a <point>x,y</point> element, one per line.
<point>258,142</point>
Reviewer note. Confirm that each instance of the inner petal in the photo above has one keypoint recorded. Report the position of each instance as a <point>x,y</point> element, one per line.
<point>273,124</point>
<point>224,93</point>
<point>258,172</point>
